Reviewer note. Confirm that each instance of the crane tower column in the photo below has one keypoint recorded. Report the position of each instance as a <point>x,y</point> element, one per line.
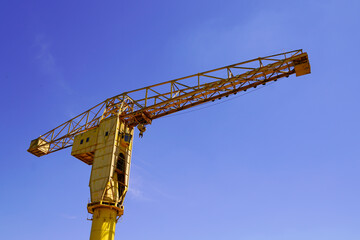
<point>108,149</point>
<point>103,225</point>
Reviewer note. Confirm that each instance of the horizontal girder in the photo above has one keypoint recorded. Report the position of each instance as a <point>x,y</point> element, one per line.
<point>148,103</point>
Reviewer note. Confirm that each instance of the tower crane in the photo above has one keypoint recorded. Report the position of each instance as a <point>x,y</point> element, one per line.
<point>103,135</point>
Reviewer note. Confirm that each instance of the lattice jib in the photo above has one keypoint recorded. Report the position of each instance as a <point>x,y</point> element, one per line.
<point>151,102</point>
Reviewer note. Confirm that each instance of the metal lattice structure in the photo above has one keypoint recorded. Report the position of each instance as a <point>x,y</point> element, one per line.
<point>143,105</point>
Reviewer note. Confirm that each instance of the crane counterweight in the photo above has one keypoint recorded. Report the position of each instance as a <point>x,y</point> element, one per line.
<point>39,147</point>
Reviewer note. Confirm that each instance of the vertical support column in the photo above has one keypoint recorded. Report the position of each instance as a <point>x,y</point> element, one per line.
<point>103,225</point>
<point>109,176</point>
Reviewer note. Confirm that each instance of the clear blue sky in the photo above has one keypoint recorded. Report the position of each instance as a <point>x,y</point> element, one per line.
<point>281,163</point>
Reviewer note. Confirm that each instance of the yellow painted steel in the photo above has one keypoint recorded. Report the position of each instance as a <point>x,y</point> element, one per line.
<point>103,225</point>
<point>39,147</point>
<point>85,145</point>
<point>111,165</point>
<point>102,136</point>
<point>107,148</point>
<point>143,105</point>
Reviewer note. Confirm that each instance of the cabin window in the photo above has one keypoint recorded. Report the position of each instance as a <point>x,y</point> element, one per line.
<point>127,137</point>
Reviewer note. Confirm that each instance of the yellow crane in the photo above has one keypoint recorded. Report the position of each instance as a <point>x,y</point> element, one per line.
<point>103,135</point>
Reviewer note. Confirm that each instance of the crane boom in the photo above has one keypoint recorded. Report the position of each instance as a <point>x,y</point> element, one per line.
<point>143,105</point>
<point>103,135</point>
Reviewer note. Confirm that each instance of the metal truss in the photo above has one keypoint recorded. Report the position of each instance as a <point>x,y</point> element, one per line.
<point>152,102</point>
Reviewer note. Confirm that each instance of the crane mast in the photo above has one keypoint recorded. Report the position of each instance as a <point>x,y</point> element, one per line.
<point>103,135</point>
